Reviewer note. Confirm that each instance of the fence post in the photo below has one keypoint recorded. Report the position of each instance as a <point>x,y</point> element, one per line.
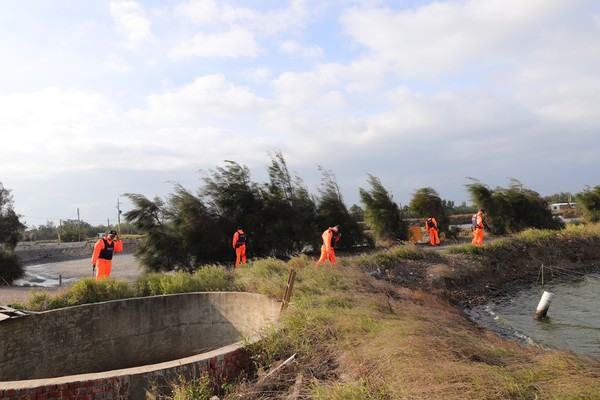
<point>288,289</point>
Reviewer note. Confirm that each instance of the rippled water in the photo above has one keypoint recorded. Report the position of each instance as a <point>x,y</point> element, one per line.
<point>572,322</point>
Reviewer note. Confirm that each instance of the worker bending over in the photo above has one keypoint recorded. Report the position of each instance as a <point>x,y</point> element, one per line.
<point>331,236</point>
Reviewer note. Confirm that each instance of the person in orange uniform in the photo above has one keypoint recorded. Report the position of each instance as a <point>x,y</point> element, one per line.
<point>431,226</point>
<point>478,229</point>
<point>331,236</point>
<point>239,244</point>
<point>104,250</point>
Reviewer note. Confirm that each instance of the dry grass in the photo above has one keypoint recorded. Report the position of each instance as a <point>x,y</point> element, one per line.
<point>357,334</point>
<point>357,337</point>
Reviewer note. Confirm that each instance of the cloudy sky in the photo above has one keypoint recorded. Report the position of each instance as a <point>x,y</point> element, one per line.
<point>101,98</point>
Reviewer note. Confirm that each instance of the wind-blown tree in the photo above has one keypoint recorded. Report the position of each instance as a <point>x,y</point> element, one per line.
<point>381,213</point>
<point>357,212</point>
<point>11,230</point>
<point>196,226</point>
<point>332,211</point>
<point>160,249</point>
<point>235,200</point>
<point>589,201</point>
<point>427,203</point>
<point>289,210</point>
<point>513,209</point>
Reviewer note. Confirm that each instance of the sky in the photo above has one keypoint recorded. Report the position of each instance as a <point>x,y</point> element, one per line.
<point>103,98</point>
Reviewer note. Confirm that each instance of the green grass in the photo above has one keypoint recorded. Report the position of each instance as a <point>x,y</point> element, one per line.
<point>355,337</point>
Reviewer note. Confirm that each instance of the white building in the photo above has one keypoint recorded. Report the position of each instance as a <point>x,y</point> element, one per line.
<point>562,206</point>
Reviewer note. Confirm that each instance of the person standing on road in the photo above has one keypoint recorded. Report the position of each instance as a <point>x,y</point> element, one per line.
<point>478,228</point>
<point>239,244</point>
<point>431,226</point>
<point>104,250</point>
<point>331,237</point>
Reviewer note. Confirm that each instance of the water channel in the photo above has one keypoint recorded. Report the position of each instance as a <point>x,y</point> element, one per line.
<point>572,322</point>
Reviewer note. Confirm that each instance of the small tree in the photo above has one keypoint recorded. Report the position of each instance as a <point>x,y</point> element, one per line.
<point>72,230</point>
<point>289,210</point>
<point>589,201</point>
<point>11,230</point>
<point>160,249</point>
<point>235,200</point>
<point>331,211</point>
<point>382,213</point>
<point>427,203</point>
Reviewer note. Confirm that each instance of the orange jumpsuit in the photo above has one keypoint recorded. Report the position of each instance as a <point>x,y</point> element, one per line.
<point>330,236</point>
<point>434,238</point>
<point>478,231</point>
<point>102,256</point>
<point>239,244</point>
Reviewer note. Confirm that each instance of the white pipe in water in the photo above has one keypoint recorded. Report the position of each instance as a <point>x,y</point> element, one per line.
<point>542,308</point>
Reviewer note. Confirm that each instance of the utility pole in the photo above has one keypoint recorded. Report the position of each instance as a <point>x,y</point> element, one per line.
<point>78,226</point>
<point>119,217</point>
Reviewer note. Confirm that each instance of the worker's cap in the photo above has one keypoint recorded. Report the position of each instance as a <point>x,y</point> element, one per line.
<point>112,232</point>
<point>482,210</point>
<point>239,228</point>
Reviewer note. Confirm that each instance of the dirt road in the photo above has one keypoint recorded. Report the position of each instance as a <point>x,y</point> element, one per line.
<point>56,275</point>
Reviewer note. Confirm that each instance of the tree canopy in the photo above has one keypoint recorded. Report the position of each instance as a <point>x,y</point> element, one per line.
<point>381,212</point>
<point>589,201</point>
<point>513,209</point>
<point>280,217</point>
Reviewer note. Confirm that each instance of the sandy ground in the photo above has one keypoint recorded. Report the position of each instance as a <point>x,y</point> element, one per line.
<point>56,275</point>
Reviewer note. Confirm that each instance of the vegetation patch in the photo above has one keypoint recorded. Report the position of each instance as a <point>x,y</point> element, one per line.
<point>349,333</point>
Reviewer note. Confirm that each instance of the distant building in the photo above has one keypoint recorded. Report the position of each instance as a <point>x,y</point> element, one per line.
<point>562,206</point>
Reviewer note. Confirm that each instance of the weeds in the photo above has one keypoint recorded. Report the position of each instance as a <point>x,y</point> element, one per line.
<point>356,337</point>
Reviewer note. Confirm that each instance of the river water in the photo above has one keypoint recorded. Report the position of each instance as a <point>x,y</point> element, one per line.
<point>572,322</point>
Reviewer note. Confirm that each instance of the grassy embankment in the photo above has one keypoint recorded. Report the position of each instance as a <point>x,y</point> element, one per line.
<point>399,336</point>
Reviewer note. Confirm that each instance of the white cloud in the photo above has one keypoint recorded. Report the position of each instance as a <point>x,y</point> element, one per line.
<point>130,21</point>
<point>356,86</point>
<point>235,43</point>
<point>271,22</point>
<point>115,63</point>
<point>296,49</point>
<point>442,37</point>
<point>206,98</point>
<point>54,126</point>
<point>203,12</point>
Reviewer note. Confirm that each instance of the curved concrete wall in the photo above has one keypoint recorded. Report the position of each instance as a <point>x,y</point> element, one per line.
<point>128,334</point>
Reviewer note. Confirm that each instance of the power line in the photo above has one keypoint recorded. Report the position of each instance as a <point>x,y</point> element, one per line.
<point>59,219</point>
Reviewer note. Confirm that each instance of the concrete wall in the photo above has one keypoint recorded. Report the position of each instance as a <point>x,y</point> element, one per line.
<point>130,334</point>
